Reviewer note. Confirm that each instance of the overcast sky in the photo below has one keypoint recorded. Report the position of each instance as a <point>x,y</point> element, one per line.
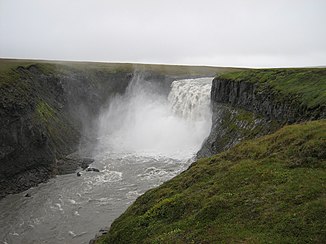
<point>252,33</point>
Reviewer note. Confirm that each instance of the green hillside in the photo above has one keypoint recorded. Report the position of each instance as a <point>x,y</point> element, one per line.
<point>267,190</point>
<point>306,84</point>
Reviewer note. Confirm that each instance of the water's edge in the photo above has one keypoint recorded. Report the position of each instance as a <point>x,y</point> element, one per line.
<point>131,158</point>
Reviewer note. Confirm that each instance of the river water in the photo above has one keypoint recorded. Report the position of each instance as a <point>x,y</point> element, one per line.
<point>144,139</point>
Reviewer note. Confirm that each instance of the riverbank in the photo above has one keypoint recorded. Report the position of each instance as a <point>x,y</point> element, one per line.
<point>254,188</point>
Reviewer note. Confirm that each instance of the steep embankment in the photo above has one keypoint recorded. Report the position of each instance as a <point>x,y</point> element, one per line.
<point>266,190</point>
<point>44,108</point>
<point>253,103</point>
<point>48,107</point>
<point>270,189</point>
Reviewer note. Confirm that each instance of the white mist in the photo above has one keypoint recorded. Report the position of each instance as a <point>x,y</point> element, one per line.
<point>145,139</point>
<point>145,122</point>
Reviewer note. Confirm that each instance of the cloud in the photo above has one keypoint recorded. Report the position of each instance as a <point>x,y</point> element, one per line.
<point>225,32</point>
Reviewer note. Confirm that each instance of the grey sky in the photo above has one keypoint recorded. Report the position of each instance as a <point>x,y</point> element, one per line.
<point>257,33</point>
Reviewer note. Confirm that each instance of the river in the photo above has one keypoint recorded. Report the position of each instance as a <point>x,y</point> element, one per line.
<point>144,139</point>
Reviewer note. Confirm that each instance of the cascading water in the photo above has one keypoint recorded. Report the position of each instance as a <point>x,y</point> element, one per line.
<point>144,139</point>
<point>190,99</point>
<point>144,121</point>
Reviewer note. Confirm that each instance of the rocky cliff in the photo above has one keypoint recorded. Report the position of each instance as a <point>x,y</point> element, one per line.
<point>247,105</point>
<point>48,108</point>
<point>43,112</point>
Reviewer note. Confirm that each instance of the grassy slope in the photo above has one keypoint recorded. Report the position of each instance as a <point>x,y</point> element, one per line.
<point>6,64</point>
<point>267,190</point>
<point>306,84</point>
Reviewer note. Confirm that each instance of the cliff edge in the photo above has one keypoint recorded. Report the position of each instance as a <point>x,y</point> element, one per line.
<point>253,103</point>
<point>263,190</point>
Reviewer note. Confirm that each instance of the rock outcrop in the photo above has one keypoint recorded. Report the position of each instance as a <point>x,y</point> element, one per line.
<point>43,115</point>
<point>264,100</point>
<point>245,110</point>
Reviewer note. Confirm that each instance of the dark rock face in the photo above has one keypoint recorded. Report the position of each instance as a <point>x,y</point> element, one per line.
<point>244,110</point>
<point>263,100</point>
<point>26,153</point>
<point>69,165</point>
<point>232,125</point>
<point>24,180</point>
<point>42,121</point>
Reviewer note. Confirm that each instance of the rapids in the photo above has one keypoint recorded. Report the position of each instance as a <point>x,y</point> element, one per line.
<point>144,139</point>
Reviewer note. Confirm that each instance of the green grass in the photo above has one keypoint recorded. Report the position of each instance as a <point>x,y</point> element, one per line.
<point>268,190</point>
<point>308,85</point>
<point>45,112</point>
<point>57,126</point>
<point>13,91</point>
<point>67,66</point>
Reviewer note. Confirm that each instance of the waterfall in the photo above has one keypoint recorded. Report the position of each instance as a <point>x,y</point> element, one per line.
<point>146,122</point>
<point>190,98</point>
<point>145,137</point>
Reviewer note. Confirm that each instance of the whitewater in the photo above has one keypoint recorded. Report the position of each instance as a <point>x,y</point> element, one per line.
<point>144,139</point>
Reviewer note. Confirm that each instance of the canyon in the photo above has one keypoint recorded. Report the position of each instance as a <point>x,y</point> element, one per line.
<point>140,126</point>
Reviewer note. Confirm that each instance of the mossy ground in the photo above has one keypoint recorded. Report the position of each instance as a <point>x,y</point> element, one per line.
<point>267,190</point>
<point>308,85</point>
<point>66,66</point>
<point>22,94</point>
<point>240,123</point>
<point>57,127</point>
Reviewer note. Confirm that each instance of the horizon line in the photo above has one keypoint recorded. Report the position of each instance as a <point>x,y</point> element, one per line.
<point>158,63</point>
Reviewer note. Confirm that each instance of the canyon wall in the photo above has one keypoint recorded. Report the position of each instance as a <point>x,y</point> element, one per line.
<point>243,109</point>
<point>48,110</point>
<point>43,116</point>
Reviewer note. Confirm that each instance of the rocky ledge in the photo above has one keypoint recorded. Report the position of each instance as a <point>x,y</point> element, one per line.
<point>248,105</point>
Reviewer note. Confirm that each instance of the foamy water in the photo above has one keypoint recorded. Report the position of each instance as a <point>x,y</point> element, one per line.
<point>144,139</point>
<point>147,123</point>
